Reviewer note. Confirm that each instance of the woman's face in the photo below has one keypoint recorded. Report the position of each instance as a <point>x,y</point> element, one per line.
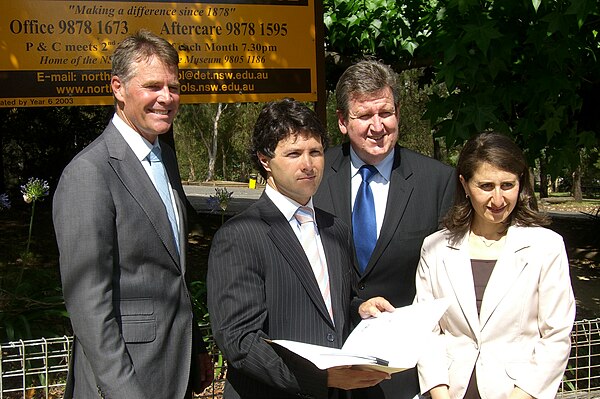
<point>493,194</point>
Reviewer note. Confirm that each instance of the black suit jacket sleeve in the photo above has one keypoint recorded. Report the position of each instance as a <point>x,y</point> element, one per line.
<point>246,300</point>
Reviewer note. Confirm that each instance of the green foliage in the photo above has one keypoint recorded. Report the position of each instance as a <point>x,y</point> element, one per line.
<point>386,29</point>
<point>32,304</point>
<point>41,141</point>
<point>511,68</point>
<point>198,294</point>
<point>528,68</point>
<point>195,142</point>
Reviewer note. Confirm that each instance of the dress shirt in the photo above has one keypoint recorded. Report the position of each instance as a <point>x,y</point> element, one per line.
<point>141,148</point>
<point>380,183</point>
<point>288,207</point>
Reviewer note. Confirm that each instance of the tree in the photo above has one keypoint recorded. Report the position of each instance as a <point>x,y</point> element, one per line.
<point>201,122</point>
<point>524,67</point>
<point>41,141</point>
<point>206,132</point>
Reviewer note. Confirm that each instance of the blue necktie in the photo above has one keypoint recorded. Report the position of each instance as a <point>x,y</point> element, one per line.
<point>162,186</point>
<point>364,224</point>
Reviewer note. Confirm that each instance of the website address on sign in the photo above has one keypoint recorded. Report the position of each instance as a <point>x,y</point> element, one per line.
<point>217,88</point>
<point>186,88</point>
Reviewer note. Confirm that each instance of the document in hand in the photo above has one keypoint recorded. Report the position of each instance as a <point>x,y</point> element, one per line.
<point>391,342</point>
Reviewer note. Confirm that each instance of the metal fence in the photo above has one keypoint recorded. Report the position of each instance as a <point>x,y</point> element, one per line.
<point>582,376</point>
<point>38,368</point>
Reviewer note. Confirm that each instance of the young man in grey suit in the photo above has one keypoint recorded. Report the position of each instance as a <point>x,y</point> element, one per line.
<point>122,247</point>
<point>270,278</point>
<point>408,195</point>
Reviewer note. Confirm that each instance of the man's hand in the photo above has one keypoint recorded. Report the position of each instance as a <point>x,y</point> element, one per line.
<point>347,377</point>
<point>374,306</point>
<point>204,372</point>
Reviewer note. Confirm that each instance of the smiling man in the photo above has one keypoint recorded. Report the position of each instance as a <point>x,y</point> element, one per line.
<point>281,270</point>
<point>120,220</point>
<point>402,199</point>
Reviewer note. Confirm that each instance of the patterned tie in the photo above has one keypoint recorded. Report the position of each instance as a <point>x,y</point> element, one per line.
<point>162,186</point>
<point>304,216</point>
<point>364,223</point>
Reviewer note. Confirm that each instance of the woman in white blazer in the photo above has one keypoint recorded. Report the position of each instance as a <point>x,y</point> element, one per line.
<point>506,333</point>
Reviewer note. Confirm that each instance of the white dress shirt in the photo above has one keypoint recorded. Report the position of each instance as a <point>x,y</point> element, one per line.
<point>288,207</point>
<point>141,148</point>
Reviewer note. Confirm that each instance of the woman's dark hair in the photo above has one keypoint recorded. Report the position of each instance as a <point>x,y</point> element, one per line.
<point>501,152</point>
<point>278,120</point>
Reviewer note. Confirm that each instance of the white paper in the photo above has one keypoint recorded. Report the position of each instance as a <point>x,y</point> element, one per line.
<point>391,342</point>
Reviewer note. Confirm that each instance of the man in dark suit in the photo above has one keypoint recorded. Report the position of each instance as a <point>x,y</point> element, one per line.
<point>122,247</point>
<point>409,195</point>
<point>267,281</point>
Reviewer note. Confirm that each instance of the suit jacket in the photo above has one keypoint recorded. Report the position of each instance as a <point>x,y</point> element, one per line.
<point>123,279</point>
<point>522,335</point>
<point>421,191</point>
<point>261,285</point>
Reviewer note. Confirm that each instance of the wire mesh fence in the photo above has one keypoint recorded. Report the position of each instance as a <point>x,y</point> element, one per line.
<point>37,369</point>
<point>34,368</point>
<point>582,376</point>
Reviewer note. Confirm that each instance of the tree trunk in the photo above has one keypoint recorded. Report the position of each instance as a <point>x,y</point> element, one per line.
<point>437,151</point>
<point>543,176</point>
<point>224,162</point>
<point>576,189</point>
<point>212,153</point>
<point>192,176</point>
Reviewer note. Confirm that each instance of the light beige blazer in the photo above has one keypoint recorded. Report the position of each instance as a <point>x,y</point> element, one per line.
<point>522,336</point>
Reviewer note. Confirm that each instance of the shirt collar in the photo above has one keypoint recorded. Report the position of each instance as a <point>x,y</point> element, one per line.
<point>384,167</point>
<point>286,205</point>
<point>139,145</point>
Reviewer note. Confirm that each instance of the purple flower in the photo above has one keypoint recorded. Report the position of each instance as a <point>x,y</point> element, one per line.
<point>220,200</point>
<point>35,189</point>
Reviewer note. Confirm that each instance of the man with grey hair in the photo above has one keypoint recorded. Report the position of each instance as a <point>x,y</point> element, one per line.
<point>392,197</point>
<point>120,220</point>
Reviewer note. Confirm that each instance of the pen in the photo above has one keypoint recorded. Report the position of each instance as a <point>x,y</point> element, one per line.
<point>381,362</point>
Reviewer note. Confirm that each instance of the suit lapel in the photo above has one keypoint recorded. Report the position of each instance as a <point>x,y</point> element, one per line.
<point>457,264</point>
<point>508,268</point>
<point>135,179</point>
<point>339,186</point>
<point>399,193</point>
<point>170,163</point>
<point>330,245</point>
<point>290,248</point>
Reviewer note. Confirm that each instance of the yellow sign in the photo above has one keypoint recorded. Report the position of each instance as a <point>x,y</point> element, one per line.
<point>58,52</point>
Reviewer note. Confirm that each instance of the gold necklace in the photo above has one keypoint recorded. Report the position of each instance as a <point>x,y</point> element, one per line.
<point>486,242</point>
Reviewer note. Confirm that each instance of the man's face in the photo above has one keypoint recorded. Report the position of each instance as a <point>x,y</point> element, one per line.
<point>150,100</point>
<point>372,125</point>
<point>297,167</point>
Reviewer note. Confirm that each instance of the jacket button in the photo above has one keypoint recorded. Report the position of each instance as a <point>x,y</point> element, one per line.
<point>330,337</point>
<point>361,287</point>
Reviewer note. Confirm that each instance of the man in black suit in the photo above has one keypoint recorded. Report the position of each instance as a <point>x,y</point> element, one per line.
<point>265,281</point>
<point>410,194</point>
